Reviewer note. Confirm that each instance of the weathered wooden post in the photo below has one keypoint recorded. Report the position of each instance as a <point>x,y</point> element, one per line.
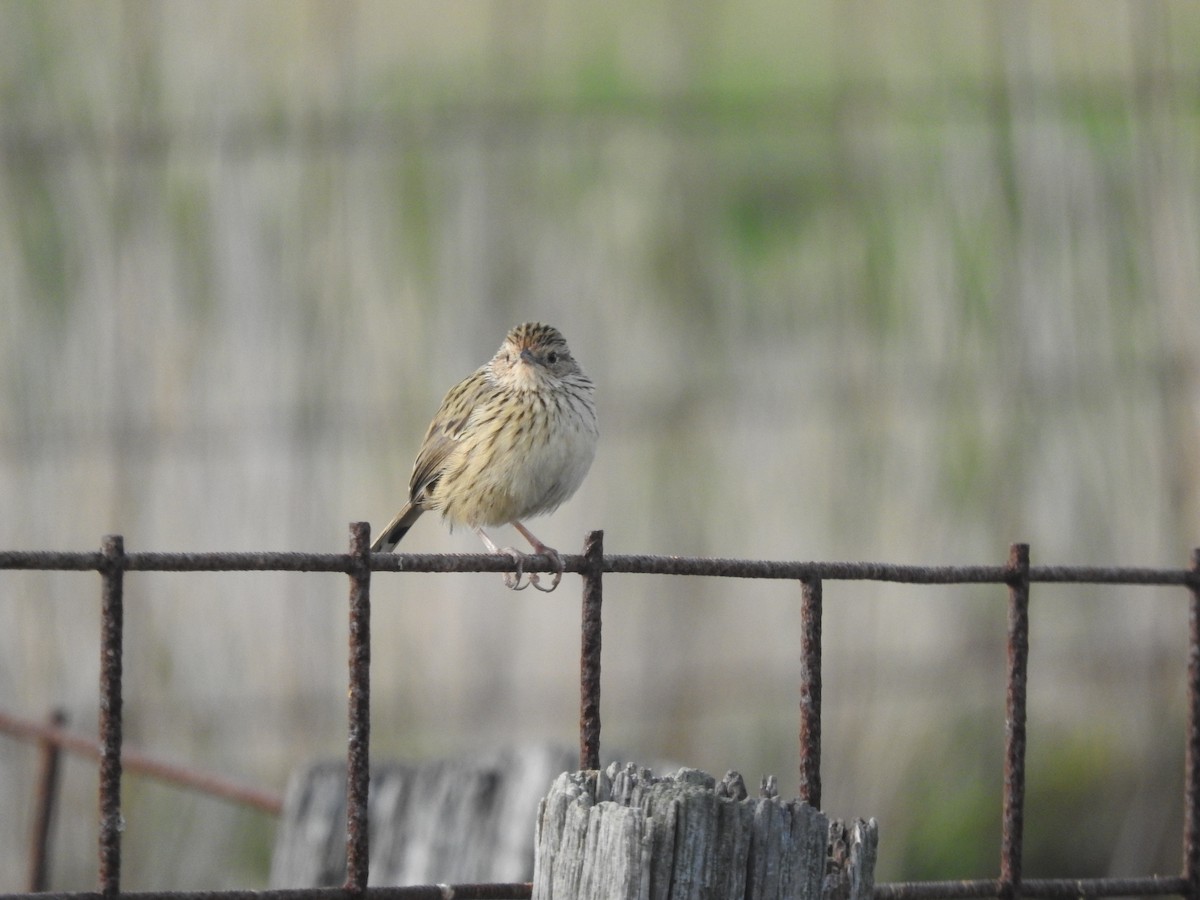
<point>623,834</point>
<point>467,819</point>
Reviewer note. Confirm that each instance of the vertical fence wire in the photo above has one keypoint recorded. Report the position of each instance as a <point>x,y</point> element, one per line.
<point>47,795</point>
<point>1191,789</point>
<point>810,691</point>
<point>111,625</point>
<point>358,764</point>
<point>589,653</point>
<point>1012,833</point>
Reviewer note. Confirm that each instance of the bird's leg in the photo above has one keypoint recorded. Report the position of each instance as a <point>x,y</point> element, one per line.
<point>555,559</point>
<point>512,580</point>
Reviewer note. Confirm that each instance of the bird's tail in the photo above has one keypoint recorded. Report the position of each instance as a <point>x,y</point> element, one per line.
<point>388,538</point>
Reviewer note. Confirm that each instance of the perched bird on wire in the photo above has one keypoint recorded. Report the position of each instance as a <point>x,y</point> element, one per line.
<point>512,440</point>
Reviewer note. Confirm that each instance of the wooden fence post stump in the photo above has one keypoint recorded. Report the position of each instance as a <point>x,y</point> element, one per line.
<point>623,834</point>
<point>466,819</point>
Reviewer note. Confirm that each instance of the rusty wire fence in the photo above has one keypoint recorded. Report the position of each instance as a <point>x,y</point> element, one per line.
<point>112,562</point>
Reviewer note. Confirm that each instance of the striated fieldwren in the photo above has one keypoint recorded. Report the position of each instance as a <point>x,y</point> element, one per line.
<point>512,440</point>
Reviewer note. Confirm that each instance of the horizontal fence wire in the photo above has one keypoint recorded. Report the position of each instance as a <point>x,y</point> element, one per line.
<point>1052,888</point>
<point>611,564</point>
<point>1049,888</point>
<point>516,891</point>
<point>1017,574</point>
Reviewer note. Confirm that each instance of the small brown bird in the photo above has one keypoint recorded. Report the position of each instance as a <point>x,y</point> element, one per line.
<point>512,440</point>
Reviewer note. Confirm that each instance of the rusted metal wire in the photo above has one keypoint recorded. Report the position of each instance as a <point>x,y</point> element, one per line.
<point>513,891</point>
<point>622,564</point>
<point>144,764</point>
<point>358,764</point>
<point>810,692</point>
<point>1191,788</point>
<point>1054,888</point>
<point>111,626</point>
<point>1017,574</point>
<point>589,653</point>
<point>1013,828</point>
<point>47,794</point>
<point>1049,888</point>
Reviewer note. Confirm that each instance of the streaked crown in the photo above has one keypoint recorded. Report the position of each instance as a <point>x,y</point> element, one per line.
<point>536,336</point>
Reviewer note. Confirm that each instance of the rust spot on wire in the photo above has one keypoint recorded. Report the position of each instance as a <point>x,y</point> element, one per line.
<point>1014,725</point>
<point>1191,788</point>
<point>589,655</point>
<point>111,625</point>
<point>358,765</point>
<point>810,692</point>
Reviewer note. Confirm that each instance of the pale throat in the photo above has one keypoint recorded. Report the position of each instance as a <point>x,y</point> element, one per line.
<point>523,376</point>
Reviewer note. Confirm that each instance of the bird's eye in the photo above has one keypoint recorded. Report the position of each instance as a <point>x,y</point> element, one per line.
<point>552,357</point>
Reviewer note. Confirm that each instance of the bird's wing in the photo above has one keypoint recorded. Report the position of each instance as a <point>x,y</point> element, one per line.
<point>446,430</point>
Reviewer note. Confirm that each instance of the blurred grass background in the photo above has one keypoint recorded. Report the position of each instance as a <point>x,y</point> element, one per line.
<point>866,280</point>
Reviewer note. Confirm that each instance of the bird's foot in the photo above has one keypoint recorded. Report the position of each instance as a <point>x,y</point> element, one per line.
<point>539,547</point>
<point>515,581</point>
<point>556,561</point>
<point>512,580</point>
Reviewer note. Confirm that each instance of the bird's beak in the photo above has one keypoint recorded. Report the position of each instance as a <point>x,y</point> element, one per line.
<point>527,356</point>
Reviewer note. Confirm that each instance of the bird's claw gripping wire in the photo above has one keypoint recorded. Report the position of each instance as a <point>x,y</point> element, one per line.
<point>512,580</point>
<point>557,562</point>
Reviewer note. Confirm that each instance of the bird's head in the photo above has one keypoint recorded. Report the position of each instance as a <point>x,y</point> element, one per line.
<point>534,355</point>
